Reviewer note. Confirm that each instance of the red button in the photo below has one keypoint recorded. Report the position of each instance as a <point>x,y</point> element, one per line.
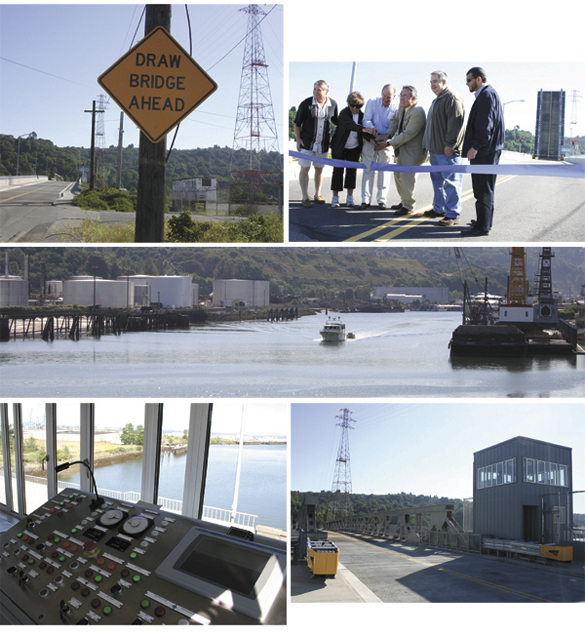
<point>111,566</point>
<point>159,611</point>
<point>101,561</point>
<point>73,548</point>
<point>85,591</point>
<point>96,602</point>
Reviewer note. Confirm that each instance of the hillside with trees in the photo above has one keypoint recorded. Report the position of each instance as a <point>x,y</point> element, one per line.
<point>42,157</point>
<point>302,272</point>
<point>367,504</point>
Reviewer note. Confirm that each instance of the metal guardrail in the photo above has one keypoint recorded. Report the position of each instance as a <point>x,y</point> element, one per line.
<point>214,515</point>
<point>462,542</point>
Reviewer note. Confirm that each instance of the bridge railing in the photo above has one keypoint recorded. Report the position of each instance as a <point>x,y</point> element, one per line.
<point>211,514</point>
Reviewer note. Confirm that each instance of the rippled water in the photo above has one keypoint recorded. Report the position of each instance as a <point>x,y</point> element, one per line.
<point>393,355</point>
<point>262,492</point>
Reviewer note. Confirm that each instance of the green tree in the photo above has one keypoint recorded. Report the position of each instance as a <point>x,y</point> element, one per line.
<point>127,435</point>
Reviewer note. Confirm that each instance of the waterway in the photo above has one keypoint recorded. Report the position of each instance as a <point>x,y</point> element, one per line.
<point>393,355</point>
<point>262,489</point>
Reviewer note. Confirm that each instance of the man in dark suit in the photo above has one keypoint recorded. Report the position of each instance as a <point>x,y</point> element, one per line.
<point>483,143</point>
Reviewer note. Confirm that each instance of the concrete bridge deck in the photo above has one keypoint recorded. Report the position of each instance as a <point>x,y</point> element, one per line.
<point>377,571</point>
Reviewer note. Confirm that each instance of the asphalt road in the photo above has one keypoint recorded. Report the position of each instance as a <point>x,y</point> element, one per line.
<point>27,213</point>
<point>401,573</point>
<point>44,213</point>
<point>527,209</point>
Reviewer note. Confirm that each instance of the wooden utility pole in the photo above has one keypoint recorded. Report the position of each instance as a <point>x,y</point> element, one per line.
<point>150,212</point>
<point>93,112</point>
<point>120,144</point>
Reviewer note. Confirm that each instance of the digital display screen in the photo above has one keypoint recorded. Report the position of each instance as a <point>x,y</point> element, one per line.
<point>226,564</point>
<point>94,533</point>
<point>118,543</point>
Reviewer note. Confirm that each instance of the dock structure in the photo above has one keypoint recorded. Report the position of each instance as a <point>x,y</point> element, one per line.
<point>74,323</point>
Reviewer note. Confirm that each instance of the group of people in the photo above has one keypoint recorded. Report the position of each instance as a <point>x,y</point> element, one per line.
<point>395,129</point>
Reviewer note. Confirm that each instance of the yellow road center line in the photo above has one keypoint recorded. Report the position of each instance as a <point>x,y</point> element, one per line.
<point>414,220</point>
<point>24,193</point>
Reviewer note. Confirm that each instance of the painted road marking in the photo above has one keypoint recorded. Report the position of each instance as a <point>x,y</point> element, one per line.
<point>414,220</point>
<point>25,193</point>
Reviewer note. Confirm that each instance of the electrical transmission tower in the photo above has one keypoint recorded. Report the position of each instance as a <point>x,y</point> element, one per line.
<point>101,168</point>
<point>340,504</point>
<point>574,140</point>
<point>255,132</point>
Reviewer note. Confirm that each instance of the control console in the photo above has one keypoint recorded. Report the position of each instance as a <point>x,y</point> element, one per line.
<point>129,564</point>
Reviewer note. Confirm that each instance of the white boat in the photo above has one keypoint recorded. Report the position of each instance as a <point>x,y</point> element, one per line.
<point>333,331</point>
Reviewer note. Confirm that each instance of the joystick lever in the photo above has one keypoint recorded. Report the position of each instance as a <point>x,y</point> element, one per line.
<point>64,608</point>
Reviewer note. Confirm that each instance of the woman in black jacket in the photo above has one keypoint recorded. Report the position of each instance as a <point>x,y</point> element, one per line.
<point>347,145</point>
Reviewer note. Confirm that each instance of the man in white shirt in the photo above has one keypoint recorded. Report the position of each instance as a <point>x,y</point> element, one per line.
<point>377,114</point>
<point>313,133</point>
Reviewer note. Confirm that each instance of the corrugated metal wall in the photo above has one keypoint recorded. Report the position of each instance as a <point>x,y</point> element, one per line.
<point>499,510</point>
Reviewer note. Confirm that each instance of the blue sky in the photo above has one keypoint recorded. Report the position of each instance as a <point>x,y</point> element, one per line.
<point>262,417</point>
<point>512,80</point>
<point>424,448</point>
<point>61,49</point>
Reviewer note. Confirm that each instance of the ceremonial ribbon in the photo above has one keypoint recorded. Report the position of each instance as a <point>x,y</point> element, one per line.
<point>566,170</point>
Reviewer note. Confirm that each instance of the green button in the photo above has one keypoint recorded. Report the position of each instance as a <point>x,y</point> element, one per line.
<point>62,558</point>
<point>136,578</point>
<point>61,503</point>
<point>57,540</point>
<point>99,578</point>
<point>73,530</point>
<point>31,561</point>
<point>145,604</point>
<point>20,535</point>
<point>71,496</point>
<point>107,610</point>
<point>133,555</point>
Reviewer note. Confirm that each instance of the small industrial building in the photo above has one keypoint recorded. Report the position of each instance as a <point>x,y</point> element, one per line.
<point>188,192</point>
<point>438,295</point>
<point>522,491</point>
<point>231,293</point>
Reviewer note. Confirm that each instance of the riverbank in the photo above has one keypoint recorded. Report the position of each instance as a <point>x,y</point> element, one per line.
<point>109,458</point>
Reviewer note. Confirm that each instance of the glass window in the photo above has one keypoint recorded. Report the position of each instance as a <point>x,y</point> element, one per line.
<point>540,476</point>
<point>500,473</point>
<point>529,475</point>
<point>34,451</point>
<point>510,475</point>
<point>480,478</point>
<point>562,475</point>
<point>553,474</point>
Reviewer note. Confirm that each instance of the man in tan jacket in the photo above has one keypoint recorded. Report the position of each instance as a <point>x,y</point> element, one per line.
<point>405,134</point>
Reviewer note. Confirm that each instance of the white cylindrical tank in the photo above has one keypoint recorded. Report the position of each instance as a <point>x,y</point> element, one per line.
<point>253,293</point>
<point>170,291</point>
<point>13,292</point>
<point>85,292</point>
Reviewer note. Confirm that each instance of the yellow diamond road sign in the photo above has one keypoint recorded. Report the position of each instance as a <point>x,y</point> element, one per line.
<point>157,84</point>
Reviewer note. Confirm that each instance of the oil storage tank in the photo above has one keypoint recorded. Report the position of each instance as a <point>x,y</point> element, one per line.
<point>13,291</point>
<point>169,291</point>
<point>89,291</point>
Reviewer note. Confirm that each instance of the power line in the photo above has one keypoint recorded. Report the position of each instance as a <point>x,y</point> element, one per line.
<point>44,72</point>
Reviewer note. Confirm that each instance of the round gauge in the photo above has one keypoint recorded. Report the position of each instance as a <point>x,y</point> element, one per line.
<point>111,517</point>
<point>135,525</point>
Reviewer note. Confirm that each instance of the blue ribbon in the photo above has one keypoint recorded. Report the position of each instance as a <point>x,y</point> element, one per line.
<point>566,170</point>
